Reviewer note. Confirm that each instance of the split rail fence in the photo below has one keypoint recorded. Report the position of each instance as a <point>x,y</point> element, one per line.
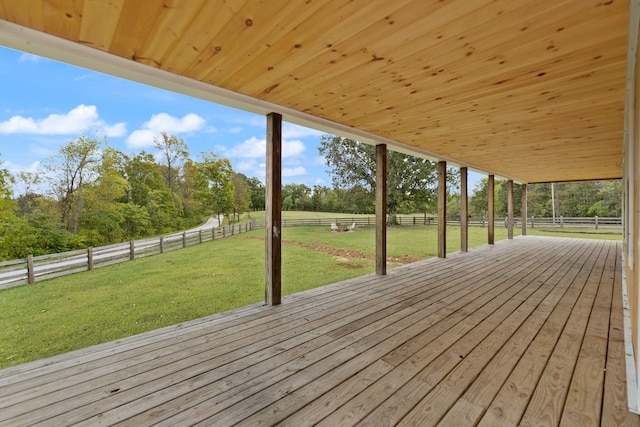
<point>37,268</point>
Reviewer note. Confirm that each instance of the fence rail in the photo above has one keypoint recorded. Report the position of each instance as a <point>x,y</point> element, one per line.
<point>37,268</point>
<point>32,269</point>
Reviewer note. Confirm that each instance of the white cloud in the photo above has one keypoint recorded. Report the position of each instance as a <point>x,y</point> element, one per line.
<point>319,160</point>
<point>256,148</point>
<point>246,165</point>
<point>297,171</point>
<point>320,181</point>
<point>251,148</point>
<point>290,130</point>
<point>164,122</point>
<point>14,168</point>
<point>116,130</point>
<point>292,148</point>
<point>78,120</point>
<point>257,121</point>
<point>141,138</point>
<point>28,57</point>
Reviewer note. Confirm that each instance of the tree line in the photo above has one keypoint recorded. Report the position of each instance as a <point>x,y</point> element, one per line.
<point>96,195</point>
<point>89,194</point>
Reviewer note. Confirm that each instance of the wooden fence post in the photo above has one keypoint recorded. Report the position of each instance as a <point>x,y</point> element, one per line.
<point>132,250</point>
<point>200,236</point>
<point>31,274</point>
<point>213,233</point>
<point>596,222</point>
<point>184,239</point>
<point>561,221</point>
<point>89,258</point>
<point>224,231</point>
<point>161,244</point>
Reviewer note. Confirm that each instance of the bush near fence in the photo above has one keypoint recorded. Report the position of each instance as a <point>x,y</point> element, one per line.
<point>32,269</point>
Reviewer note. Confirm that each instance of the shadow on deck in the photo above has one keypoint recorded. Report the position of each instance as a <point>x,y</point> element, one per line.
<point>526,332</point>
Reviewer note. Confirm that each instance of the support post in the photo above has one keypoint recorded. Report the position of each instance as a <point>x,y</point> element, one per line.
<point>464,212</point>
<point>381,209</point>
<point>89,258</point>
<point>523,209</point>
<point>161,244</point>
<point>273,260</point>
<point>492,219</point>
<point>132,250</point>
<point>510,209</point>
<point>442,209</point>
<point>31,274</point>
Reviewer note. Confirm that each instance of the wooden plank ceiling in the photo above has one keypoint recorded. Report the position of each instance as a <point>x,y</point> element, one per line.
<point>529,89</point>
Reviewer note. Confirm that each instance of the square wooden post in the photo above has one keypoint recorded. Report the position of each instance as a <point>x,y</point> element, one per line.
<point>523,209</point>
<point>381,209</point>
<point>464,212</point>
<point>442,209</point>
<point>491,213</point>
<point>510,209</point>
<point>273,261</point>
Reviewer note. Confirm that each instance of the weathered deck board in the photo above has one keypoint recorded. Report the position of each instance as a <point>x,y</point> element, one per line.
<point>527,331</point>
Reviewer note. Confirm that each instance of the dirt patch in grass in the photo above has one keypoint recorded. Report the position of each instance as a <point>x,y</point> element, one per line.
<point>345,255</point>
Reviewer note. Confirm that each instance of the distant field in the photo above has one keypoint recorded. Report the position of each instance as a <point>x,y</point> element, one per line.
<point>581,233</point>
<point>260,215</point>
<point>83,309</point>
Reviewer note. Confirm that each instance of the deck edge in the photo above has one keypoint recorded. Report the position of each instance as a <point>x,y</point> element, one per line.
<point>632,386</point>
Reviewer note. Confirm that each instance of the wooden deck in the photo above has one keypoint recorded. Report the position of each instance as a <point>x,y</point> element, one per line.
<point>527,332</point>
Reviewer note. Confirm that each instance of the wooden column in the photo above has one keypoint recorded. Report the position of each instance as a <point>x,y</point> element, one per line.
<point>273,261</point>
<point>381,209</point>
<point>464,212</point>
<point>510,209</point>
<point>523,210</point>
<point>442,209</point>
<point>491,213</point>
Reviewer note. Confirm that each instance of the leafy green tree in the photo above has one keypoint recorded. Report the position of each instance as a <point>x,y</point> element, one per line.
<point>409,178</point>
<point>258,194</point>
<point>174,152</point>
<point>539,201</point>
<point>295,197</point>
<point>27,198</point>
<point>69,173</point>
<point>241,195</point>
<point>136,221</point>
<point>146,189</point>
<point>101,219</point>
<point>215,184</point>
<point>357,200</point>
<point>7,205</point>
<point>609,203</point>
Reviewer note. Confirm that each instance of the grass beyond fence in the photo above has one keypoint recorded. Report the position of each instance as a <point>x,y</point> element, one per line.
<point>76,311</point>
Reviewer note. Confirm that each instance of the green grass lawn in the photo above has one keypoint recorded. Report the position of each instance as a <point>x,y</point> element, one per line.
<point>83,309</point>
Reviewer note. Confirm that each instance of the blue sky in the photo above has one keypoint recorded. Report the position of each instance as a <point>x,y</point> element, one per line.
<point>44,104</point>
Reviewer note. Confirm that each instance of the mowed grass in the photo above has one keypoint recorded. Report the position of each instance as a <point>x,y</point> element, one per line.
<point>76,311</point>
